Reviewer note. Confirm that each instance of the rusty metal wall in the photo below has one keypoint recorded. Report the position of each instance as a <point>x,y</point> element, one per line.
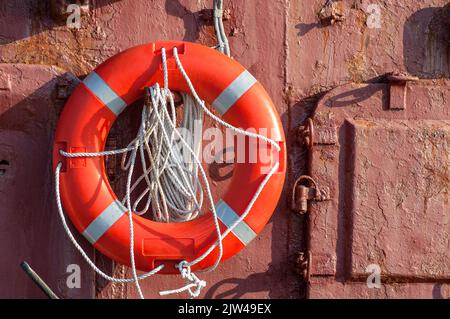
<point>368,163</point>
<point>297,49</point>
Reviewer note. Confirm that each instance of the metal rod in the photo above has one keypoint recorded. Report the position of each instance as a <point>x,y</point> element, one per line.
<point>38,280</point>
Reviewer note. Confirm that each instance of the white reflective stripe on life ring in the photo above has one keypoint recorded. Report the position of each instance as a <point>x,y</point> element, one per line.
<point>233,92</point>
<point>104,93</point>
<point>228,216</point>
<point>100,225</point>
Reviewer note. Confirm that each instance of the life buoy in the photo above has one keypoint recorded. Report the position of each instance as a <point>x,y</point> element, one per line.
<point>90,112</point>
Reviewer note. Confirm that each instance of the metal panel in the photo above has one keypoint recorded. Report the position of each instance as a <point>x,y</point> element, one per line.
<point>388,175</point>
<point>30,228</point>
<point>401,212</point>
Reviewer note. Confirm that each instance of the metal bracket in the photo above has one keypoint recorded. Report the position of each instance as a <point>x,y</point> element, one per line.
<point>310,135</point>
<point>397,94</point>
<point>306,189</point>
<point>306,133</point>
<point>331,12</point>
<point>304,261</point>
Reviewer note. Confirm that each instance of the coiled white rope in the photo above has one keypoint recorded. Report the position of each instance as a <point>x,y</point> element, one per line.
<point>174,184</point>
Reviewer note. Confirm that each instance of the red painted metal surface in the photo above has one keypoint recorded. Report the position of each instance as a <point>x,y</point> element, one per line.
<point>387,170</point>
<point>298,50</point>
<point>29,228</point>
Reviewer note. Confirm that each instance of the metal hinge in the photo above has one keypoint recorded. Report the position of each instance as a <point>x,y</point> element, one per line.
<point>306,134</point>
<point>306,189</point>
<point>309,136</point>
<point>304,261</point>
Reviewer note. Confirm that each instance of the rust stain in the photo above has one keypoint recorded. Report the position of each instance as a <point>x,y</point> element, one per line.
<point>40,50</point>
<point>74,50</point>
<point>326,38</point>
<point>357,65</point>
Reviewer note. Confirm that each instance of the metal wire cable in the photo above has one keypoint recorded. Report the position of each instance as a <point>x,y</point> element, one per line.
<point>223,45</point>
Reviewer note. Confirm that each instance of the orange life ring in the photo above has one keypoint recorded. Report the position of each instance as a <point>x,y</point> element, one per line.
<point>84,125</point>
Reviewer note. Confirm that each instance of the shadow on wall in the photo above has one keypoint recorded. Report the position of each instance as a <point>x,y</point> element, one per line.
<point>237,288</point>
<point>192,20</point>
<point>426,43</point>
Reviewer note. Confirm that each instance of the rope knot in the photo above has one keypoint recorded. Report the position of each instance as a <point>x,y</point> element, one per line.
<point>192,281</point>
<point>191,278</point>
